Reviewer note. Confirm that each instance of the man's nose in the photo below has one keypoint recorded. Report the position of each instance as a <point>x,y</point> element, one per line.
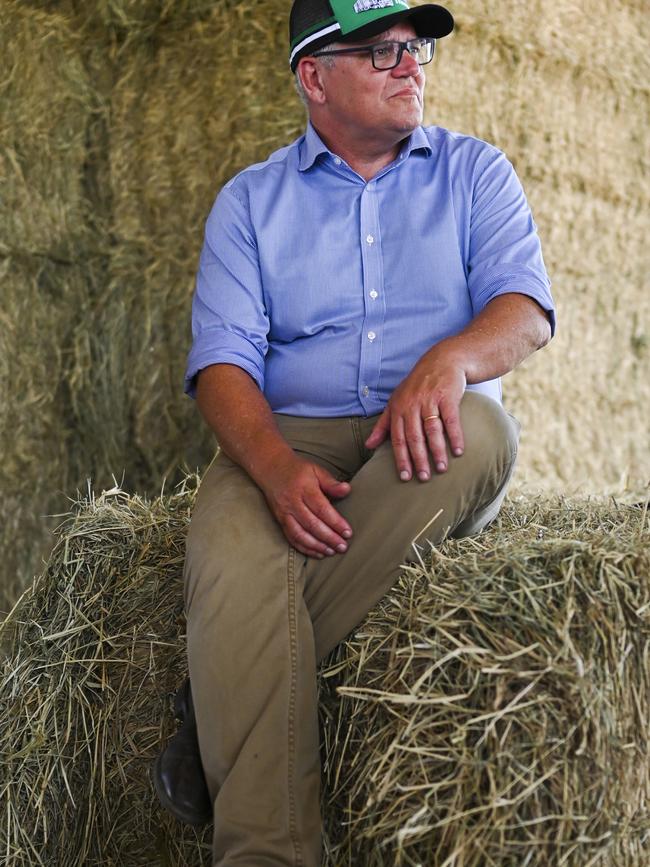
<point>408,65</point>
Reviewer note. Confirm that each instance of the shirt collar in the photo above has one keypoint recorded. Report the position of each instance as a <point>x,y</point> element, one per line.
<point>417,141</point>
<point>312,146</point>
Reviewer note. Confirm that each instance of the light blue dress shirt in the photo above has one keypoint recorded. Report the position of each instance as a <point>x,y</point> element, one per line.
<point>327,288</point>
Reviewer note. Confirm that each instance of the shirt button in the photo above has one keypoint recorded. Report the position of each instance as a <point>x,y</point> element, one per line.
<point>366,391</point>
<point>373,294</point>
<point>370,187</point>
<point>370,239</point>
<point>371,335</point>
<point>337,161</point>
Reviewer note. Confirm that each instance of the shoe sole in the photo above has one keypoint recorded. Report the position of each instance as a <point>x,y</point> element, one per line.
<point>170,806</point>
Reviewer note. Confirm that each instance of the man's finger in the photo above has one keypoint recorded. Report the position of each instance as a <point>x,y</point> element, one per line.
<point>435,434</point>
<point>307,553</point>
<point>400,449</point>
<point>328,515</point>
<point>304,541</point>
<point>330,486</point>
<point>308,516</point>
<point>453,428</point>
<point>417,446</point>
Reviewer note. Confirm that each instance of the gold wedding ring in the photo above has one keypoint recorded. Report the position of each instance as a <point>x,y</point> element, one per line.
<point>430,416</point>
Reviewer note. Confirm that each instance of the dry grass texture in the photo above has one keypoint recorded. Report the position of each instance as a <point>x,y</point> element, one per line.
<point>564,90</point>
<point>120,126</point>
<point>494,708</point>
<point>120,121</point>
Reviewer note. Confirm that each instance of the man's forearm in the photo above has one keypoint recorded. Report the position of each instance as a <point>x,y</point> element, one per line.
<point>241,418</point>
<point>507,331</point>
<point>426,404</point>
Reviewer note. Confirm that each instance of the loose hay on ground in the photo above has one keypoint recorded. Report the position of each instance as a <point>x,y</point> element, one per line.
<point>492,709</point>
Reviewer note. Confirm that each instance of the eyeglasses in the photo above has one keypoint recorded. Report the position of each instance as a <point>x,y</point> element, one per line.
<point>386,55</point>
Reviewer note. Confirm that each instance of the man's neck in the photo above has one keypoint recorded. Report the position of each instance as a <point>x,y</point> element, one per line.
<point>366,158</point>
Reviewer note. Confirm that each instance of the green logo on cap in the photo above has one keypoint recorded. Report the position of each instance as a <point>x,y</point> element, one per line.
<point>351,16</point>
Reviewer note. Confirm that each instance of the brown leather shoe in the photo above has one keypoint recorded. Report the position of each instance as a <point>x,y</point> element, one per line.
<point>177,774</point>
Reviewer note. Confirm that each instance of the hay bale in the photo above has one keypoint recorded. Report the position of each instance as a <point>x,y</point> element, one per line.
<point>141,18</point>
<point>493,708</point>
<point>573,121</point>
<point>48,259</point>
<point>126,122</point>
<point>127,20</point>
<point>101,628</point>
<point>121,120</point>
<point>41,455</point>
<point>47,103</point>
<point>180,130</point>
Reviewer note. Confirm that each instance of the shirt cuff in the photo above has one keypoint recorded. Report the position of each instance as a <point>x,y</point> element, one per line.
<point>521,279</point>
<point>218,346</point>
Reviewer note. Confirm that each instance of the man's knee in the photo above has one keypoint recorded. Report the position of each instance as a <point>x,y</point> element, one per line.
<point>491,440</point>
<point>491,434</point>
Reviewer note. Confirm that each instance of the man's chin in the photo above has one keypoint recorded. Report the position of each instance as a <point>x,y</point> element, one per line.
<point>406,125</point>
<point>408,113</point>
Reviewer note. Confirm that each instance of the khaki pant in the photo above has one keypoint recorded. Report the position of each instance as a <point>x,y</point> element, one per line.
<point>260,616</point>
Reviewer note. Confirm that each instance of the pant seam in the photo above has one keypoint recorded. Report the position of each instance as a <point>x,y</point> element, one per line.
<point>291,769</point>
<point>356,433</point>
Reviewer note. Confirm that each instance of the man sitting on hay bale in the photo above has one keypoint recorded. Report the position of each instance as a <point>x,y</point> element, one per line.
<point>359,295</point>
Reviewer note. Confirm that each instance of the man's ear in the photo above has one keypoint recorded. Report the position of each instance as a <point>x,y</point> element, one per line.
<point>310,74</point>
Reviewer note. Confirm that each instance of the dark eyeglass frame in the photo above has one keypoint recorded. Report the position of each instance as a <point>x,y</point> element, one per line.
<point>402,47</point>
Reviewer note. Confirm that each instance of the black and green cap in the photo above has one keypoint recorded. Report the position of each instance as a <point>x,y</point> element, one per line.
<point>315,23</point>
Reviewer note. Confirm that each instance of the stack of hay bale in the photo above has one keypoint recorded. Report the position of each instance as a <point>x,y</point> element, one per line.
<point>121,120</point>
<point>494,708</point>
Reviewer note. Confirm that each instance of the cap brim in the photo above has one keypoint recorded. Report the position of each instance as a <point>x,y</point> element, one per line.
<point>428,20</point>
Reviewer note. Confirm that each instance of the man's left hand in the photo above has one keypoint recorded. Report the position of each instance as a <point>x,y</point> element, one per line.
<point>423,413</point>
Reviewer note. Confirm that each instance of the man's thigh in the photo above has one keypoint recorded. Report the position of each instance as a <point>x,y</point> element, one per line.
<point>414,511</point>
<point>233,534</point>
<point>231,529</point>
<point>394,520</point>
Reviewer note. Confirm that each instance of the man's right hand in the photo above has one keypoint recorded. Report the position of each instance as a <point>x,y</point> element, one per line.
<point>298,493</point>
<point>297,490</point>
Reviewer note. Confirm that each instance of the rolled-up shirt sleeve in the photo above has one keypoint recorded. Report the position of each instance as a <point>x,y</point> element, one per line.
<point>229,320</point>
<point>505,253</point>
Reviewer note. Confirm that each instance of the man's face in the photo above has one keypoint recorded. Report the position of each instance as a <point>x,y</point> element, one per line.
<point>373,101</point>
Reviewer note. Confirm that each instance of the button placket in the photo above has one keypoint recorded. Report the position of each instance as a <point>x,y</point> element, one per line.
<point>372,326</point>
